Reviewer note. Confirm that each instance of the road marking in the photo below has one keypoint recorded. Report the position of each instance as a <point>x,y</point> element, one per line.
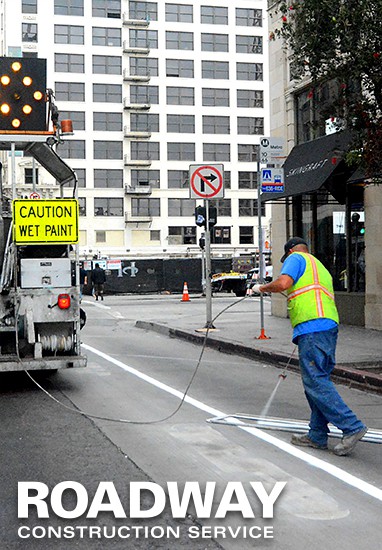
<point>330,469</point>
<point>96,304</point>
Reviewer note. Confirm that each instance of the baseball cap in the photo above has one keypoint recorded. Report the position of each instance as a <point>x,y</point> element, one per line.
<point>294,241</point>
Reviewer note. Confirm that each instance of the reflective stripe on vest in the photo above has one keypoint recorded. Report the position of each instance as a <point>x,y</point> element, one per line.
<point>312,296</point>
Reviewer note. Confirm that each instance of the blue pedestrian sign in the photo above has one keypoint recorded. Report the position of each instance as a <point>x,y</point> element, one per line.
<point>272,180</point>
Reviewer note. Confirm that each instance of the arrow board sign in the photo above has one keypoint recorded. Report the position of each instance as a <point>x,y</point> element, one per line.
<point>206,181</point>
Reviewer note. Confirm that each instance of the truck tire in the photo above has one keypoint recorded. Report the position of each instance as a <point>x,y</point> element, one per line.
<point>240,290</point>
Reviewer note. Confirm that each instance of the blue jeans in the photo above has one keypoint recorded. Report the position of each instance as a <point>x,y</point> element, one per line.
<point>317,360</point>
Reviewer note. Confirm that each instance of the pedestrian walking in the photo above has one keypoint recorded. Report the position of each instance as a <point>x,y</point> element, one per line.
<point>98,280</point>
<point>314,318</point>
<point>83,279</point>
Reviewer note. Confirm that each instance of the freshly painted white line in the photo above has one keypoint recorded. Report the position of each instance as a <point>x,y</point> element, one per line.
<point>330,469</point>
<point>96,304</point>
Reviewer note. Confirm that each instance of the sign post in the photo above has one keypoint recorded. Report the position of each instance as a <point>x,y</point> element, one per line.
<point>261,254</point>
<point>206,182</point>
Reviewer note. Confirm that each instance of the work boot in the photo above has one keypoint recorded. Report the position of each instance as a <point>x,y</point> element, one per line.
<point>349,442</point>
<point>305,441</point>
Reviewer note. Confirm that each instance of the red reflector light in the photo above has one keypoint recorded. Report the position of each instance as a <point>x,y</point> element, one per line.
<point>63,301</point>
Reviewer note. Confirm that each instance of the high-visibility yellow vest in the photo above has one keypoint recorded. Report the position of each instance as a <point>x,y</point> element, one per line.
<point>312,297</point>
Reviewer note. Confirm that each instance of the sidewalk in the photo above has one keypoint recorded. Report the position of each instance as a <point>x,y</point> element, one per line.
<point>359,350</point>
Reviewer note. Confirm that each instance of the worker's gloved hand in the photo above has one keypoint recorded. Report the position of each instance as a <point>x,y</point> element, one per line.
<point>256,289</point>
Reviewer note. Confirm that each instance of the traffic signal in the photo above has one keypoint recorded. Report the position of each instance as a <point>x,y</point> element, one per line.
<point>357,226</point>
<point>22,94</point>
<point>200,216</point>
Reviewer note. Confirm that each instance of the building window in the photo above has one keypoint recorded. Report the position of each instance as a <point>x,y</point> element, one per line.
<point>181,207</point>
<point>181,235</point>
<point>179,40</point>
<point>142,94</point>
<point>246,234</point>
<point>77,118</point>
<point>148,11</point>
<point>29,32</point>
<point>107,93</point>
<point>144,122</point>
<point>69,7</point>
<point>183,124</point>
<point>177,179</point>
<point>100,237</point>
<point>221,235</point>
<point>247,17</point>
<point>213,15</point>
<point>107,8</point>
<point>108,178</point>
<point>143,66</point>
<point>181,151</point>
<point>179,13</point>
<point>72,149</point>
<point>104,36</point>
<point>249,44</point>
<point>247,180</point>
<point>108,207</point>
<point>145,178</point>
<point>250,125</point>
<point>81,177</point>
<point>250,98</point>
<point>145,207</point>
<point>107,64</point>
<point>28,176</point>
<point>82,206</point>
<point>144,150</point>
<point>180,96</point>
<point>29,6</point>
<point>107,150</point>
<point>68,34</point>
<point>214,42</point>
<point>215,97</point>
<point>248,207</point>
<point>216,151</point>
<point>180,68</point>
<point>141,38</point>
<point>247,153</point>
<point>215,69</point>
<point>155,235</point>
<point>227,179</point>
<point>69,63</point>
<point>216,124</point>
<point>249,71</point>
<point>70,91</point>
<point>30,54</point>
<point>108,122</point>
<point>223,206</point>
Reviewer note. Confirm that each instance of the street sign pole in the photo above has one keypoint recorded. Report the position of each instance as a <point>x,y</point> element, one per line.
<point>208,269</point>
<point>260,244</point>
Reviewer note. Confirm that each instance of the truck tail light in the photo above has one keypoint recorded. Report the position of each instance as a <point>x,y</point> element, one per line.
<point>63,301</point>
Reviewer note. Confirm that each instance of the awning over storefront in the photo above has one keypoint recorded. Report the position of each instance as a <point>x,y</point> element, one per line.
<point>315,164</point>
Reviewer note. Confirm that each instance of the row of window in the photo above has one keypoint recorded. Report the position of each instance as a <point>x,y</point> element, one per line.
<point>187,235</point>
<point>149,122</point>
<point>176,179</point>
<point>143,94</point>
<point>145,66</point>
<point>100,8</point>
<point>177,13</point>
<point>141,38</point>
<point>150,150</point>
<point>149,207</point>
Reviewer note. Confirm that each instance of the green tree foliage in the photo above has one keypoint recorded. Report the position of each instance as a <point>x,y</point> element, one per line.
<point>341,40</point>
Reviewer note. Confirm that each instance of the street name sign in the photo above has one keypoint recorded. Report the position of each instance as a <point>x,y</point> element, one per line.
<point>206,181</point>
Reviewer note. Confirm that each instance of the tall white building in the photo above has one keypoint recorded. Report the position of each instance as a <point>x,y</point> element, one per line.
<point>152,87</point>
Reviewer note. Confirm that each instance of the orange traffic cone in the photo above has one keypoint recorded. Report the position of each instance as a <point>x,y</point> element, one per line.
<point>185,297</point>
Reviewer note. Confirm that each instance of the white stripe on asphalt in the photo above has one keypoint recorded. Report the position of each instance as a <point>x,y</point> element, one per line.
<point>330,469</point>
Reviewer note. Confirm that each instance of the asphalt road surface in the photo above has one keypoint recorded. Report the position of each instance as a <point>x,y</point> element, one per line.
<point>138,377</point>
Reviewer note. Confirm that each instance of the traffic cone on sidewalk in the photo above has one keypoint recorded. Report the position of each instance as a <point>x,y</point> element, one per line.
<point>185,297</point>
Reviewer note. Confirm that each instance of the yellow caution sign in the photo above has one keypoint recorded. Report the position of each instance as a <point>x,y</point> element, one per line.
<point>45,221</point>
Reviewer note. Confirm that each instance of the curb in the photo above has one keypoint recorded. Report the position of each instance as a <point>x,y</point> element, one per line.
<point>352,377</point>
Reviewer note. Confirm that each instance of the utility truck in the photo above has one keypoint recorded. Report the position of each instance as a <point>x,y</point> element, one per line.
<point>40,316</point>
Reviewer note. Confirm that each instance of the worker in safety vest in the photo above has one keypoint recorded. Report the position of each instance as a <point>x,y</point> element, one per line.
<point>314,319</point>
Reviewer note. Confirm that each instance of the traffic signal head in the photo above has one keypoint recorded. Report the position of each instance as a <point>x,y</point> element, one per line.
<point>200,216</point>
<point>22,94</point>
